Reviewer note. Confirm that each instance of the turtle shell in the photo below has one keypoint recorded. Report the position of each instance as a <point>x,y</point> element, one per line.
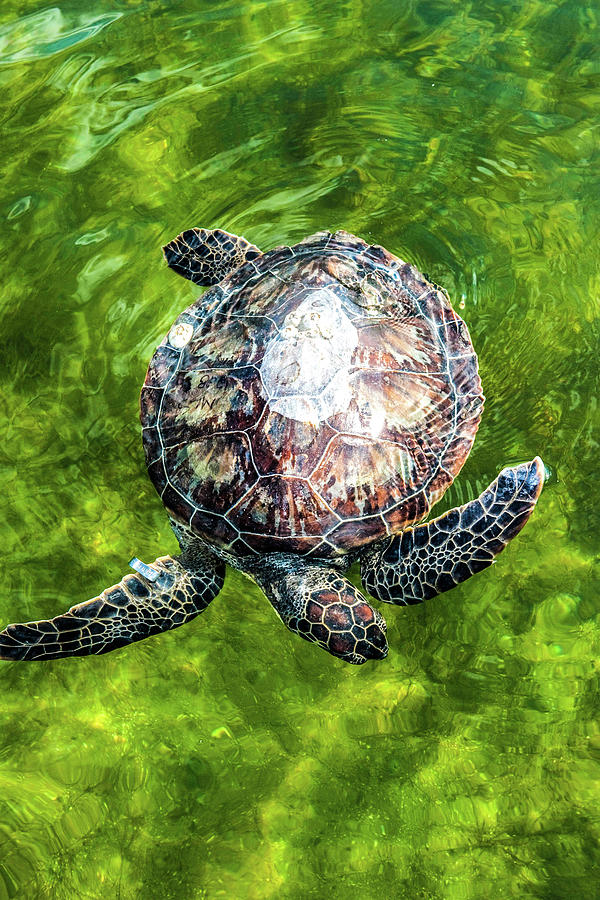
<point>321,397</point>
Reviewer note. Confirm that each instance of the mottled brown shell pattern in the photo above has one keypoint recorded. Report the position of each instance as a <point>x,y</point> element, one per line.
<point>321,397</point>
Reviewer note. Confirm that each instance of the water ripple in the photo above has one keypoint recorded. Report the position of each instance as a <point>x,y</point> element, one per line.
<point>46,33</point>
<point>228,758</point>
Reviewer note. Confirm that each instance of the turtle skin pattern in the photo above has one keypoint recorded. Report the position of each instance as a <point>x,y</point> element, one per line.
<point>126,612</point>
<point>324,607</point>
<point>327,396</point>
<point>433,558</point>
<point>205,257</point>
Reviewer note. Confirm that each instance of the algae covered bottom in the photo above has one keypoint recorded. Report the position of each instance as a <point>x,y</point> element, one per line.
<point>221,761</point>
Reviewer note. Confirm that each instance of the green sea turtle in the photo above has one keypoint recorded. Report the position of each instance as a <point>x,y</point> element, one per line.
<point>303,414</point>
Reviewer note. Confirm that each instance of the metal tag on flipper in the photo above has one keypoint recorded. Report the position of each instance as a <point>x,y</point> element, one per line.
<point>148,572</point>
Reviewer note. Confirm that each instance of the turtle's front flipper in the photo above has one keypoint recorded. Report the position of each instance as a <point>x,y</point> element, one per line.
<point>435,557</point>
<point>129,611</point>
<point>322,606</point>
<point>206,257</point>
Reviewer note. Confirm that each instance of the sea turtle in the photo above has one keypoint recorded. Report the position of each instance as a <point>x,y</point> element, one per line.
<point>303,414</point>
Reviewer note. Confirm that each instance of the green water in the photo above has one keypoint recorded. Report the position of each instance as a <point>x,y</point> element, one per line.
<point>229,758</point>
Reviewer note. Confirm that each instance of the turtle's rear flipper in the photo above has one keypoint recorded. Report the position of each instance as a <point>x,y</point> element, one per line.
<point>435,557</point>
<point>206,257</point>
<point>129,611</point>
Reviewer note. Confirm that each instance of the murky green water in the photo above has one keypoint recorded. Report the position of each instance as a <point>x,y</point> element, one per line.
<point>230,759</point>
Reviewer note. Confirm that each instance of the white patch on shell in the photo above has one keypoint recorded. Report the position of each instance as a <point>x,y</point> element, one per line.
<point>305,369</point>
<point>180,335</point>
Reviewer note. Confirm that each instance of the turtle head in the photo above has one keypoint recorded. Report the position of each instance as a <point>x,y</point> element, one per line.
<point>322,606</point>
<point>341,621</point>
